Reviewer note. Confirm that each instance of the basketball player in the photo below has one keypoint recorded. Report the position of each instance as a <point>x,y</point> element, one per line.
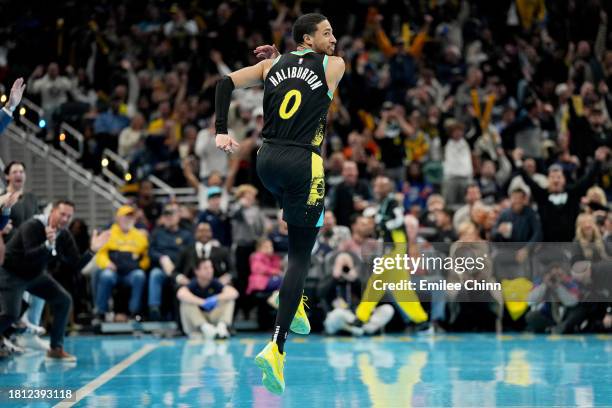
<point>298,88</point>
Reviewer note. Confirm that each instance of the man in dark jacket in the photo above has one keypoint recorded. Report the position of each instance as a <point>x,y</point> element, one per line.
<point>27,255</point>
<point>205,247</point>
<point>518,224</point>
<point>167,242</point>
<point>559,205</point>
<point>351,196</point>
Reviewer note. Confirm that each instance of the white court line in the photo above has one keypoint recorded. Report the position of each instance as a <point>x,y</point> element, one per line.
<point>107,376</point>
<point>248,351</point>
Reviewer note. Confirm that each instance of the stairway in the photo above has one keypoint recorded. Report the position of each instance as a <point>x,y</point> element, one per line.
<point>52,175</point>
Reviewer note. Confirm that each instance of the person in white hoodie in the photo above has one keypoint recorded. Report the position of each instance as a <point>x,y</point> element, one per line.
<point>458,170</point>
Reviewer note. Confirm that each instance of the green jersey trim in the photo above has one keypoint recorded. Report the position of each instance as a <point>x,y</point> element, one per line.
<point>302,52</point>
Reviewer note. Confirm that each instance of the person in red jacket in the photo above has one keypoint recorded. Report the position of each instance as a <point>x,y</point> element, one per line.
<point>265,270</point>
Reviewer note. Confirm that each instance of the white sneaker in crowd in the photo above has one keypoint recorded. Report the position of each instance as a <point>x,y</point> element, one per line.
<point>32,328</point>
<point>208,330</point>
<point>222,331</point>
<point>13,348</point>
<point>31,341</point>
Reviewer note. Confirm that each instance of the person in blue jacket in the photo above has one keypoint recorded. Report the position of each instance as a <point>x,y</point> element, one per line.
<point>6,113</point>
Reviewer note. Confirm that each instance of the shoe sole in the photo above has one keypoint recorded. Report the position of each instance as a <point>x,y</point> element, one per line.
<point>300,328</point>
<point>269,378</point>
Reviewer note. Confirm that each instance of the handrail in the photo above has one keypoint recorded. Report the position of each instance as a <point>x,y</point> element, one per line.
<point>66,129</point>
<point>161,185</point>
<point>119,162</point>
<point>32,106</point>
<point>73,169</point>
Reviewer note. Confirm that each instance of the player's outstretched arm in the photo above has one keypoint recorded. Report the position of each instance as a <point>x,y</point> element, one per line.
<point>242,78</point>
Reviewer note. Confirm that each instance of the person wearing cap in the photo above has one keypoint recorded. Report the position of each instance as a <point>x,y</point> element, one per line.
<point>167,242</point>
<point>559,205</point>
<point>216,217</point>
<point>123,261</point>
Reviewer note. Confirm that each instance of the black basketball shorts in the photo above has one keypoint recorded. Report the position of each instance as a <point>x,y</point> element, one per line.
<point>294,175</point>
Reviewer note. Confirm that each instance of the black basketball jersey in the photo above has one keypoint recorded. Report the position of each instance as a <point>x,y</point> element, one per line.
<point>296,99</point>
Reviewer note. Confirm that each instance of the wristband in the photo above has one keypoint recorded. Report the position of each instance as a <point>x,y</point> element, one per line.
<point>223,97</point>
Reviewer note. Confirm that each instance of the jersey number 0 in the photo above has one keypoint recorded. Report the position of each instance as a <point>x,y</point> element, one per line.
<point>282,111</point>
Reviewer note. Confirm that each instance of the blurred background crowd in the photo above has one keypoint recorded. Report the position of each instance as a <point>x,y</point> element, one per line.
<point>456,121</point>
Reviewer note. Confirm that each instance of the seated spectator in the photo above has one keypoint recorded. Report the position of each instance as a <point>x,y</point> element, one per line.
<point>519,224</point>
<point>216,217</point>
<point>145,201</point>
<point>248,224</point>
<point>428,218</point>
<point>594,310</point>
<point>554,295</point>
<point>463,214</point>
<point>389,213</point>
<point>266,270</point>
<point>589,244</point>
<point>351,196</point>
<point>166,243</point>
<point>416,189</point>
<point>491,180</point>
<point>469,310</point>
<point>204,247</point>
<point>330,235</point>
<point>340,291</point>
<point>123,260</point>
<point>130,137</point>
<point>207,306</point>
<point>445,233</point>
<point>417,246</point>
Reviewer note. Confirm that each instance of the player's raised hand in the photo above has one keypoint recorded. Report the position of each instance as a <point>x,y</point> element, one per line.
<point>226,143</point>
<point>266,52</point>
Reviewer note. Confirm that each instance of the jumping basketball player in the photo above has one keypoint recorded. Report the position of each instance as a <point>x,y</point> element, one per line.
<point>298,88</point>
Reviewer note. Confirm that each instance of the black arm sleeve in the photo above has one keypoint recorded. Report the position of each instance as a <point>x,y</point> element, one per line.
<point>223,97</point>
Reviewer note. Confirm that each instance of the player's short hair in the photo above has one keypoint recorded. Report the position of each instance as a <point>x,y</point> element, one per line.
<point>306,24</point>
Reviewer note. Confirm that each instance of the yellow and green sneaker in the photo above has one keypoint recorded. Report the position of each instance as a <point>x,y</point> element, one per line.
<point>300,323</point>
<point>272,364</point>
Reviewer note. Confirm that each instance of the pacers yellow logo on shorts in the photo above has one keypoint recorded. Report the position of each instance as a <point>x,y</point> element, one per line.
<point>317,182</point>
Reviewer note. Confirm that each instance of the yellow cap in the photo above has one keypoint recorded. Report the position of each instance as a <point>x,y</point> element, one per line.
<point>125,210</point>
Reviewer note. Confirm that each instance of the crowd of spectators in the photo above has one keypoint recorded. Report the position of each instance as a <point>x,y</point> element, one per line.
<point>457,121</point>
